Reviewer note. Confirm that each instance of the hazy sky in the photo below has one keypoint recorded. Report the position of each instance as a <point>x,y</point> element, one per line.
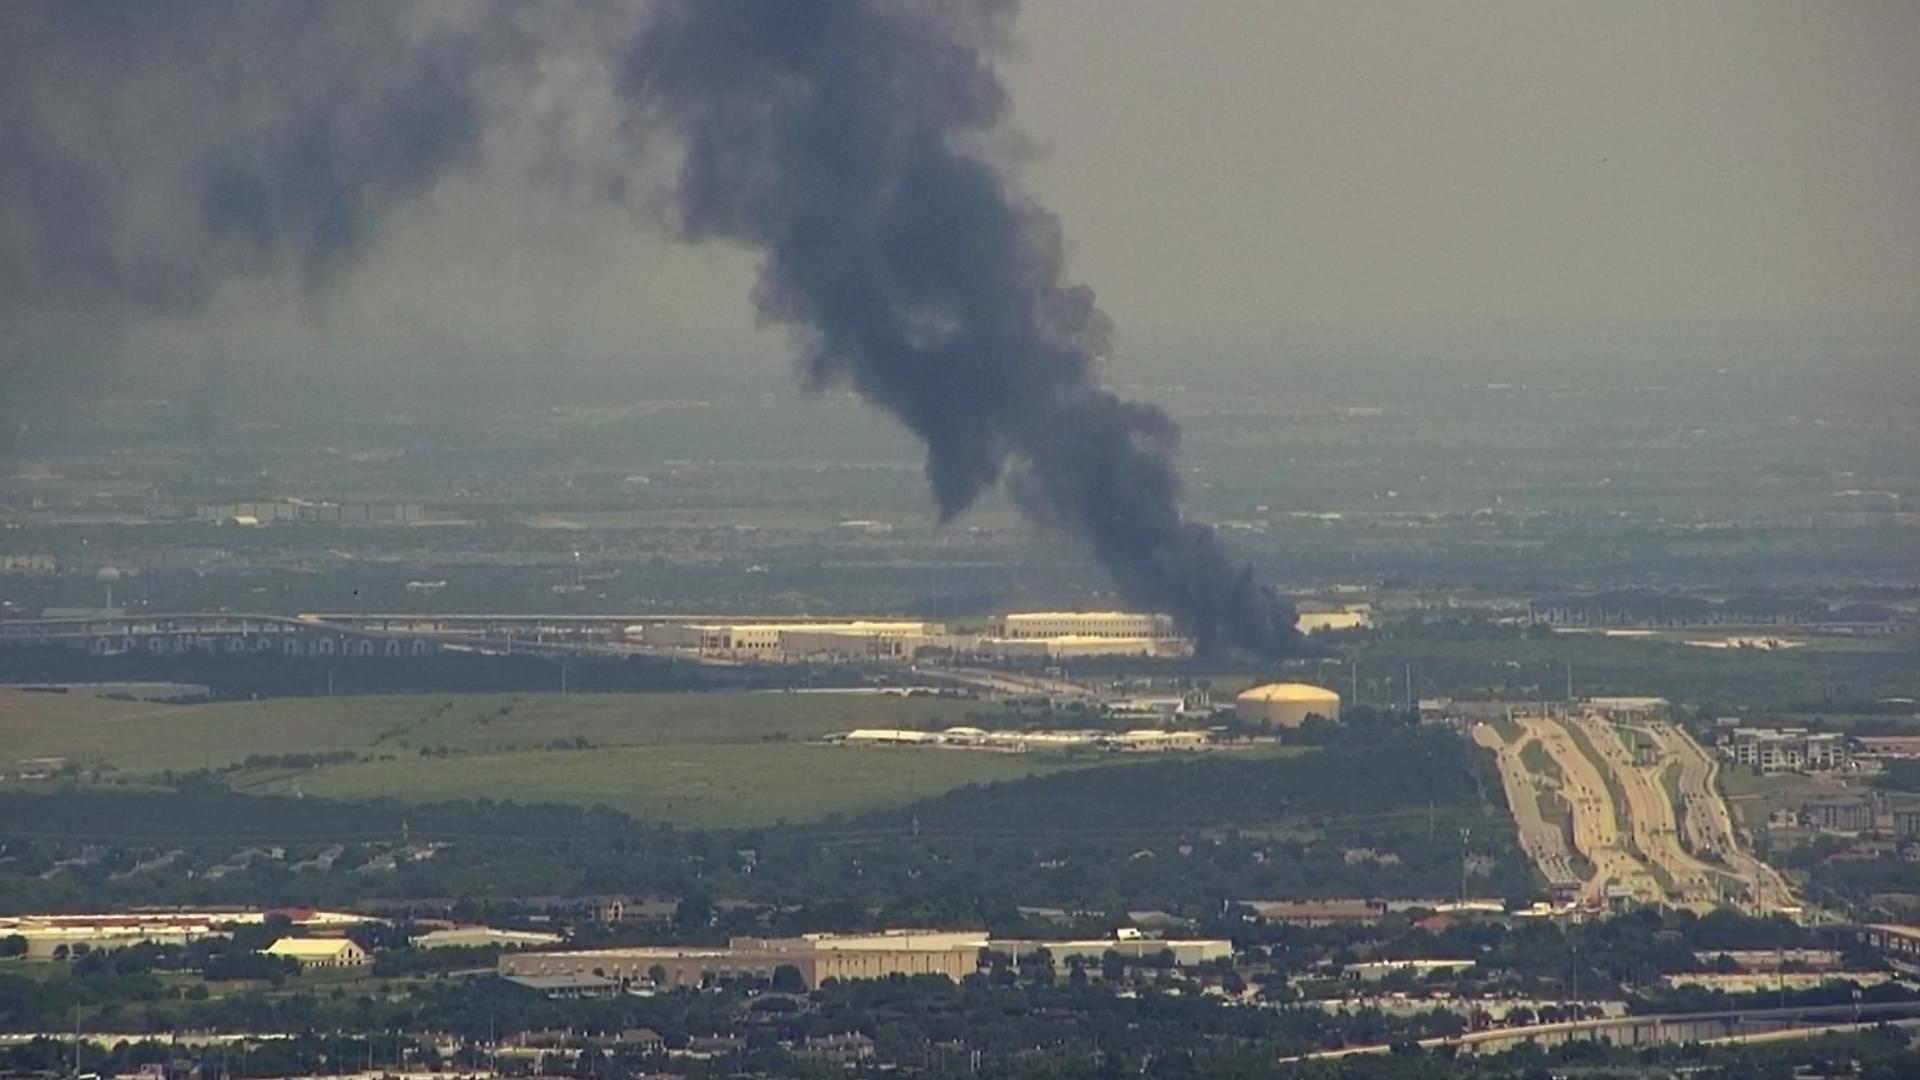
<point>1279,163</point>
<point>1251,159</point>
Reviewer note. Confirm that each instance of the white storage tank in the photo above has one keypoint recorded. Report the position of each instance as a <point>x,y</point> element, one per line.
<point>1286,704</point>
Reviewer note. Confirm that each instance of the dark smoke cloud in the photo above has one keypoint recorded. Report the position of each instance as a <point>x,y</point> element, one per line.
<point>149,153</point>
<point>846,139</point>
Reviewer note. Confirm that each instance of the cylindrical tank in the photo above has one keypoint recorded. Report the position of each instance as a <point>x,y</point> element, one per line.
<point>1286,704</point>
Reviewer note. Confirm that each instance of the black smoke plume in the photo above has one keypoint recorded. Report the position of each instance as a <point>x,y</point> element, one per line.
<point>848,141</point>
<point>150,153</point>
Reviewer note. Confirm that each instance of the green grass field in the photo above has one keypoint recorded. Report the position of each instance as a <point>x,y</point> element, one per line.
<point>693,784</point>
<point>139,738</point>
<point>705,759</point>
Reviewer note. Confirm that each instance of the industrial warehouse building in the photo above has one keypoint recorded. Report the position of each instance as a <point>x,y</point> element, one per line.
<point>1184,953</point>
<point>1093,624</point>
<point>817,957</point>
<point>47,934</point>
<point>1066,635</point>
<point>857,640</point>
<point>1072,646</point>
<point>1286,705</point>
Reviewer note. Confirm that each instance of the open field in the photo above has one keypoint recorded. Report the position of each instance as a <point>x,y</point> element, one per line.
<point>706,759</point>
<point>140,738</point>
<point>695,784</point>
<point>1752,797</point>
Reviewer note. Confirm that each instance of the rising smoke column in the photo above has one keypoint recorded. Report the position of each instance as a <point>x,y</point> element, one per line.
<point>847,141</point>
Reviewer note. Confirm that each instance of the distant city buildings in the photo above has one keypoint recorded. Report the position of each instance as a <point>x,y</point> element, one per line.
<point>1056,635</point>
<point>50,935</point>
<point>815,958</point>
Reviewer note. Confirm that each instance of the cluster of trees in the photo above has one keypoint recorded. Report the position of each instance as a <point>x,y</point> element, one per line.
<point>994,1027</point>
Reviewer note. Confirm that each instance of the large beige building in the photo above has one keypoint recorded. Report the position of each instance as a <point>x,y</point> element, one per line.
<point>45,934</point>
<point>1286,705</point>
<point>817,957</point>
<point>320,952</point>
<point>858,639</point>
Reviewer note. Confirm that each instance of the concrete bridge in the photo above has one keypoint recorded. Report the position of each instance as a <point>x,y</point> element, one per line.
<point>1741,1025</point>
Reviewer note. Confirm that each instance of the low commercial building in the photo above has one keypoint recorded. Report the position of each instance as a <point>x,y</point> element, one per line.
<point>815,957</point>
<point>320,952</point>
<point>481,936</point>
<point>1755,982</point>
<point>1313,619</point>
<point>567,986</point>
<point>1318,912</point>
<point>1378,970</point>
<point>60,935</point>
<point>1157,739</point>
<point>1082,646</point>
<point>1842,813</point>
<point>1183,953</point>
<point>854,640</point>
<point>46,934</point>
<point>1771,959</point>
<point>1630,708</point>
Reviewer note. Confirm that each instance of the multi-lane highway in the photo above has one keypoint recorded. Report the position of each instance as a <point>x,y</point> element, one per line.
<point>1596,822</point>
<point>1709,827</point>
<point>1687,855</point>
<point>1543,841</point>
<point>1650,812</point>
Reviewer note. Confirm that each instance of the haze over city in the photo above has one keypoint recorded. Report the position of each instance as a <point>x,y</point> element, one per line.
<point>768,539</point>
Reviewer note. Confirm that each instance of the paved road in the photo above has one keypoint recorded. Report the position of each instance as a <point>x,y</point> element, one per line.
<point>1596,832</point>
<point>1655,828</point>
<point>1709,824</point>
<point>1543,841</point>
<point>1004,682</point>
